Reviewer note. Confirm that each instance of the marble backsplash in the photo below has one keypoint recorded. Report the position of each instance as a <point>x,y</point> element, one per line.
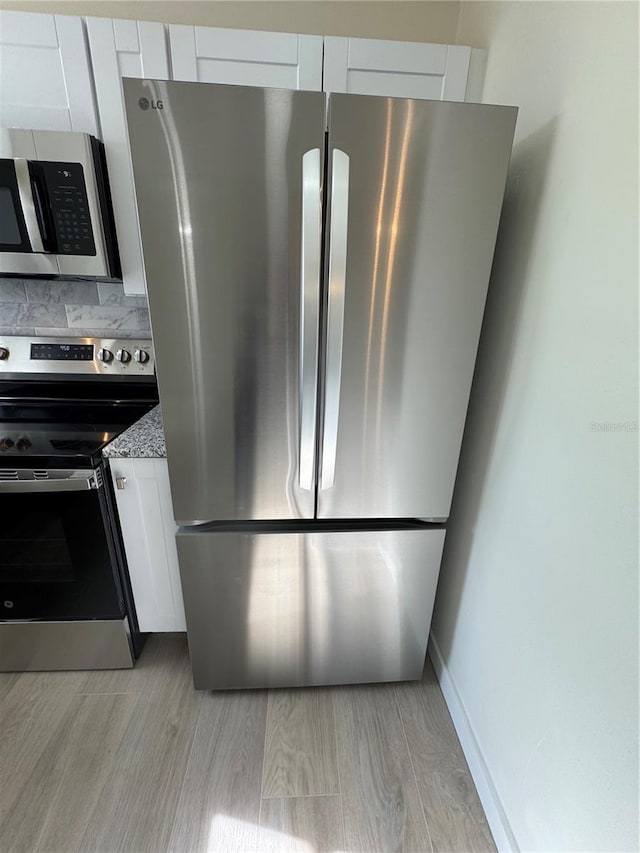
<point>70,309</point>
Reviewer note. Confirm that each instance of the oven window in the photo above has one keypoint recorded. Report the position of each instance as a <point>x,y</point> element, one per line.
<point>9,228</point>
<point>35,549</point>
<point>56,558</point>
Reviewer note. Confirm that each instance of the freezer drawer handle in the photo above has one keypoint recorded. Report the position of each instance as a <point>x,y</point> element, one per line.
<point>335,311</point>
<point>309,311</point>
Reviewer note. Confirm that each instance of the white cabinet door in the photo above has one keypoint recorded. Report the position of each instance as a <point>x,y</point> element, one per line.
<point>246,57</point>
<point>148,530</point>
<point>124,49</point>
<point>45,73</point>
<point>396,68</point>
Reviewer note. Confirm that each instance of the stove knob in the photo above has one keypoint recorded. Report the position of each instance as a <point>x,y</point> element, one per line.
<point>105,354</point>
<point>4,353</point>
<point>6,443</point>
<point>23,443</point>
<point>141,356</point>
<point>123,355</point>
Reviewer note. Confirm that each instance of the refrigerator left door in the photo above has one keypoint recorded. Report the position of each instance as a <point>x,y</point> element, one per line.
<point>229,199</point>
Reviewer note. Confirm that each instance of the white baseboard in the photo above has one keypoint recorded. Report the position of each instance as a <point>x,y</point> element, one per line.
<point>491,803</point>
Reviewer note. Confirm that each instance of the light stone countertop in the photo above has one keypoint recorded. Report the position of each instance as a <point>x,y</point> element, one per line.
<point>142,440</point>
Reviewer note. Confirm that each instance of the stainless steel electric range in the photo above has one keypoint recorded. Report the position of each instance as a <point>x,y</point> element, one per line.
<point>65,595</point>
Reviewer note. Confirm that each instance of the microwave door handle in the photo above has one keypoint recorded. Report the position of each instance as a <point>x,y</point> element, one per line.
<point>28,204</point>
<point>339,213</point>
<point>42,206</point>
<point>310,260</point>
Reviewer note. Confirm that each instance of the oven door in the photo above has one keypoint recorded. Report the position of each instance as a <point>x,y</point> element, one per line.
<point>57,556</point>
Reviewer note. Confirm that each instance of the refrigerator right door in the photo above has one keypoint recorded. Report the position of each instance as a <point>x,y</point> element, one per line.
<point>416,190</point>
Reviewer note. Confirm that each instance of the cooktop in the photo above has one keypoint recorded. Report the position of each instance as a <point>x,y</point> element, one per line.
<point>60,400</point>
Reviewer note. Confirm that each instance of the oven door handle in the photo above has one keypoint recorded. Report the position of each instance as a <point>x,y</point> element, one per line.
<point>53,481</point>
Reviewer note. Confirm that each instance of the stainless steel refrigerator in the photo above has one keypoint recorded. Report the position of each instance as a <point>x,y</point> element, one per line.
<point>317,267</point>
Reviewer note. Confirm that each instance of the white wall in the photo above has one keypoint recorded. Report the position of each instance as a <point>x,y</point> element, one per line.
<point>537,608</point>
<point>386,19</point>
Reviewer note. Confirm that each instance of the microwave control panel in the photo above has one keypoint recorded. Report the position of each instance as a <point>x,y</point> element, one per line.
<point>66,194</point>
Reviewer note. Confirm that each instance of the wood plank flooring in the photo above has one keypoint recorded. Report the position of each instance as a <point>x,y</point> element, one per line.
<point>137,761</point>
<point>300,751</point>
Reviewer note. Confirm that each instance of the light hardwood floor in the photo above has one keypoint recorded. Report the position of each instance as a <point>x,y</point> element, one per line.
<point>136,760</point>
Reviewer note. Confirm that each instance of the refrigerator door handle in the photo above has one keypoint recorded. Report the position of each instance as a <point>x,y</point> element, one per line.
<point>309,312</point>
<point>339,213</point>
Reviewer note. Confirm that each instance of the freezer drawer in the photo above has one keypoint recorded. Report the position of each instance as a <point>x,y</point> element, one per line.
<point>274,609</point>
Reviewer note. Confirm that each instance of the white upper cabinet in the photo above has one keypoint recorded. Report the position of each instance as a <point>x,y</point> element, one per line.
<point>124,49</point>
<point>63,73</point>
<point>246,58</point>
<point>396,68</point>
<point>45,73</point>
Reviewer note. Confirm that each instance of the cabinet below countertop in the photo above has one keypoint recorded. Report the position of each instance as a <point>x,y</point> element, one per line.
<point>143,498</point>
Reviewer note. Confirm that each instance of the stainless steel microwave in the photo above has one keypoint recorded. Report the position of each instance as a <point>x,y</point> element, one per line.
<point>56,217</point>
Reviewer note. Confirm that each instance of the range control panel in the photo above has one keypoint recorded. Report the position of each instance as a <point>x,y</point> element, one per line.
<point>98,356</point>
<point>62,352</point>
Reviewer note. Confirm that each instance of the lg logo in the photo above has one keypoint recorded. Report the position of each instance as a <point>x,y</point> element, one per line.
<point>145,104</point>
<point>8,604</point>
